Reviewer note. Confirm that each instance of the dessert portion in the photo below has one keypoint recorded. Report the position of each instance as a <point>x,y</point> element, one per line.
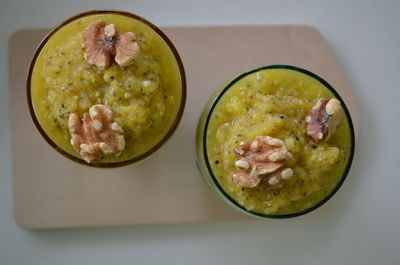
<point>277,141</point>
<point>113,65</point>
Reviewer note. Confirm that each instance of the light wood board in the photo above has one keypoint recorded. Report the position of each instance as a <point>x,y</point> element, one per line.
<point>52,192</point>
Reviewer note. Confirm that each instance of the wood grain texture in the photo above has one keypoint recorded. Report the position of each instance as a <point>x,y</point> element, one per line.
<point>52,192</point>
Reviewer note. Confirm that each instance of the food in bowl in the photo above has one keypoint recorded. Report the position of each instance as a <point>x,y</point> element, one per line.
<point>106,88</point>
<point>276,141</point>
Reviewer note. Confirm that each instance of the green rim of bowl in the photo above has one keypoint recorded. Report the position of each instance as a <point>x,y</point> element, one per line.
<point>171,130</point>
<point>278,216</point>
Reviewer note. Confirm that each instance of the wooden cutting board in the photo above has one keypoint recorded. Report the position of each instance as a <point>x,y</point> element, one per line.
<point>52,192</point>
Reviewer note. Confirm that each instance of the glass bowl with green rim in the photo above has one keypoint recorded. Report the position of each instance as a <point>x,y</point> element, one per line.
<point>160,66</point>
<point>217,134</point>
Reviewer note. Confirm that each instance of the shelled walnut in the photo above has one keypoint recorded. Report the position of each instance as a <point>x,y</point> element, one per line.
<point>102,43</point>
<point>96,135</point>
<point>323,119</point>
<point>261,159</point>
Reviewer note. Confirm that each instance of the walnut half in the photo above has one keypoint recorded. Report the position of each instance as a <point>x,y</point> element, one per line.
<point>102,43</point>
<point>96,135</point>
<point>323,119</point>
<point>262,159</point>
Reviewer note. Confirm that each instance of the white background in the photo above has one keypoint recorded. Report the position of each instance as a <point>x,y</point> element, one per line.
<point>360,225</point>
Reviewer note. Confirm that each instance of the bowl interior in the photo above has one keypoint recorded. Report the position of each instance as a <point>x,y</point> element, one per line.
<point>180,104</point>
<point>218,186</point>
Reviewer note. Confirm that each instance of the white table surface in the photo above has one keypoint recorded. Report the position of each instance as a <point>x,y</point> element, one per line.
<point>360,225</point>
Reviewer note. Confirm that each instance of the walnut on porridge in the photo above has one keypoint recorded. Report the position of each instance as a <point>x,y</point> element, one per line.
<point>323,119</point>
<point>96,135</point>
<point>261,159</point>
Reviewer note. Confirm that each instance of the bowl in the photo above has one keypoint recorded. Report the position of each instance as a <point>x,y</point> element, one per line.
<point>147,97</point>
<point>233,114</point>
